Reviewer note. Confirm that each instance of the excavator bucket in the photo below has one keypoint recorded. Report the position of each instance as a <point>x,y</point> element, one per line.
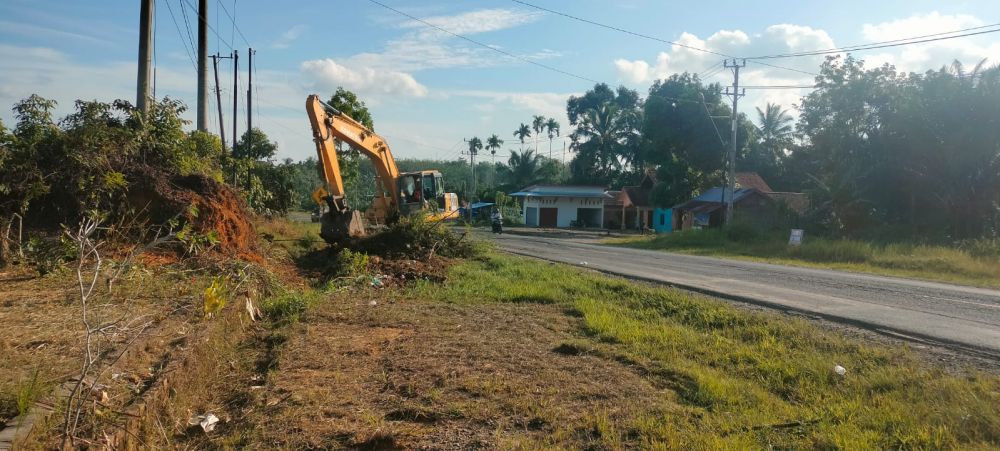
<point>338,227</point>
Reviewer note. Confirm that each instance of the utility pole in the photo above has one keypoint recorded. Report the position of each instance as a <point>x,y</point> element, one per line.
<point>218,97</point>
<point>730,190</point>
<point>142,95</point>
<point>203,65</point>
<point>236,91</point>
<point>250,53</point>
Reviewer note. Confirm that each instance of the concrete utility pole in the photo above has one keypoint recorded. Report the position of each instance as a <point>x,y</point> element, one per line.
<point>736,94</point>
<point>236,92</point>
<point>143,95</point>
<point>250,53</point>
<point>218,98</point>
<point>203,65</point>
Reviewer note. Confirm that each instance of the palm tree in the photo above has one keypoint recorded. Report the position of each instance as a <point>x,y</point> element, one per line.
<point>775,130</point>
<point>493,143</point>
<point>523,131</point>
<point>475,145</point>
<point>537,124</point>
<point>553,129</point>
<point>602,135</point>
<point>523,167</point>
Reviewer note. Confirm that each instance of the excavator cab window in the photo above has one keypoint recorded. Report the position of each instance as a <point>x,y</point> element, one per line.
<point>430,191</point>
<point>408,192</point>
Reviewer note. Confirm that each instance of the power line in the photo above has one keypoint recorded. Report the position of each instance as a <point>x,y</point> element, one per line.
<point>216,33</point>
<point>646,36</point>
<point>885,44</point>
<point>232,18</point>
<point>503,52</point>
<point>181,35</point>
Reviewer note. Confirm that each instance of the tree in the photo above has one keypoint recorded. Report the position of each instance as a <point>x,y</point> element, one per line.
<point>682,141</point>
<point>523,131</point>
<point>493,143</point>
<point>255,145</point>
<point>552,127</point>
<point>349,158</point>
<point>769,147</point>
<point>538,125</point>
<point>606,140</point>
<point>523,167</point>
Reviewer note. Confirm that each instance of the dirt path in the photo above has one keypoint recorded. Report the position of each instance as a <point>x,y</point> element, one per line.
<point>427,375</point>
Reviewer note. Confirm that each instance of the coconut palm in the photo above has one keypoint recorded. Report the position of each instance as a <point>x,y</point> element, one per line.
<point>523,131</point>
<point>538,125</point>
<point>475,145</point>
<point>601,135</point>
<point>774,130</point>
<point>552,127</point>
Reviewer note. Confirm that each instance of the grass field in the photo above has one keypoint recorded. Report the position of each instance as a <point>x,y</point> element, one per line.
<point>937,263</point>
<point>734,379</point>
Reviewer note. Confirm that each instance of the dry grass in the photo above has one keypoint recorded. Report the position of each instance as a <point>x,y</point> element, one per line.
<point>421,374</point>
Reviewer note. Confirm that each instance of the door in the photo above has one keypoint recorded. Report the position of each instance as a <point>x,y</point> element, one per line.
<point>547,217</point>
<point>531,216</point>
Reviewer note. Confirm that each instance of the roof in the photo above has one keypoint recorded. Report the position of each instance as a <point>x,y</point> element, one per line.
<point>638,195</point>
<point>616,200</point>
<point>562,191</point>
<point>478,205</point>
<point>751,180</point>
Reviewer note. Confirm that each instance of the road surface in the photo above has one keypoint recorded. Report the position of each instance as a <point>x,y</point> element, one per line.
<point>956,316</point>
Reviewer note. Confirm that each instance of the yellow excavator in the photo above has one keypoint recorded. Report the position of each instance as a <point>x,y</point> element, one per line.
<point>397,194</point>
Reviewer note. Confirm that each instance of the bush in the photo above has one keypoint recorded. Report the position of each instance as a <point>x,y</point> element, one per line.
<point>416,238</point>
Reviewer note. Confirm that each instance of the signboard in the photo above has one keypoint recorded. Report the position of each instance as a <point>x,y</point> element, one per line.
<point>795,239</point>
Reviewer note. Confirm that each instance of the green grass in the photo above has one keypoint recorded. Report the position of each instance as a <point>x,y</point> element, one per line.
<point>937,263</point>
<point>743,380</point>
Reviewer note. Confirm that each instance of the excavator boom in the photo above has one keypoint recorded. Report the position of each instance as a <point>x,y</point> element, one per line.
<point>421,189</point>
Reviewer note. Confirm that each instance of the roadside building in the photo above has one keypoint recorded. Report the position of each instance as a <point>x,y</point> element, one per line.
<point>563,205</point>
<point>632,207</point>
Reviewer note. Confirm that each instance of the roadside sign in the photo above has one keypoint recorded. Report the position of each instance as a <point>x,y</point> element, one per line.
<point>795,239</point>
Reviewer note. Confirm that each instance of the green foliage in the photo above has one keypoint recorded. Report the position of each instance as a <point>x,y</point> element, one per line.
<point>54,173</point>
<point>606,139</point>
<point>919,151</point>
<point>732,374</point>
<point>254,145</point>
<point>49,254</point>
<point>286,308</point>
<point>417,238</point>
<point>352,264</point>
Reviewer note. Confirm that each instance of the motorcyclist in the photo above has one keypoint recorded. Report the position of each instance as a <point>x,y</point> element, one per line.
<point>497,220</point>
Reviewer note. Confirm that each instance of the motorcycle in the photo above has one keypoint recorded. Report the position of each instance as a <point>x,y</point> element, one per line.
<point>497,226</point>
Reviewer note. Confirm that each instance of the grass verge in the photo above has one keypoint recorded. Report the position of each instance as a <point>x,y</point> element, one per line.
<point>918,261</point>
<point>739,379</point>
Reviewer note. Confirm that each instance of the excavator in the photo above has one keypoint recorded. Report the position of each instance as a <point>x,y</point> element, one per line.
<point>397,194</point>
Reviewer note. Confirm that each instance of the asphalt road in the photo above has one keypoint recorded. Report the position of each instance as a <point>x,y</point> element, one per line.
<point>956,316</point>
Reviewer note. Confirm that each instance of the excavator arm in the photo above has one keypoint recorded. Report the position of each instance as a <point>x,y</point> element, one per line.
<point>328,125</point>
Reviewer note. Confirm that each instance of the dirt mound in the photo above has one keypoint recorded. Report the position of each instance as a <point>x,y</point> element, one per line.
<point>199,200</point>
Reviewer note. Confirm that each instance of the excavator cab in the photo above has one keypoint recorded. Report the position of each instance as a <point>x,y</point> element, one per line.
<point>422,190</point>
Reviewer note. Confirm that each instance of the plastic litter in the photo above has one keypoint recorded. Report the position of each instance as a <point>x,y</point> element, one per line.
<point>206,421</point>
<point>377,281</point>
<point>372,303</point>
<point>839,370</point>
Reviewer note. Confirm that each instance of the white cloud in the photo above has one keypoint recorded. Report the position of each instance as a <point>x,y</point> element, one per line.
<point>328,75</point>
<point>391,71</point>
<point>918,25</point>
<point>481,21</point>
<point>289,36</point>
<point>634,71</point>
<point>929,55</point>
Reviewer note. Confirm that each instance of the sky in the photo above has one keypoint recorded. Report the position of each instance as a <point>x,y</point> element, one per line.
<point>427,89</point>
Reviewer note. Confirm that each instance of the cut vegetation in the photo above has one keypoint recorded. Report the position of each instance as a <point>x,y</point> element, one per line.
<point>521,354</point>
<point>974,263</point>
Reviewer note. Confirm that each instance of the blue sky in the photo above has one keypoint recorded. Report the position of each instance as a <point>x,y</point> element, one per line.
<point>428,90</point>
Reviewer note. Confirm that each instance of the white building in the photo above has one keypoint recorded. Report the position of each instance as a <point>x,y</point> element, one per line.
<point>563,206</point>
